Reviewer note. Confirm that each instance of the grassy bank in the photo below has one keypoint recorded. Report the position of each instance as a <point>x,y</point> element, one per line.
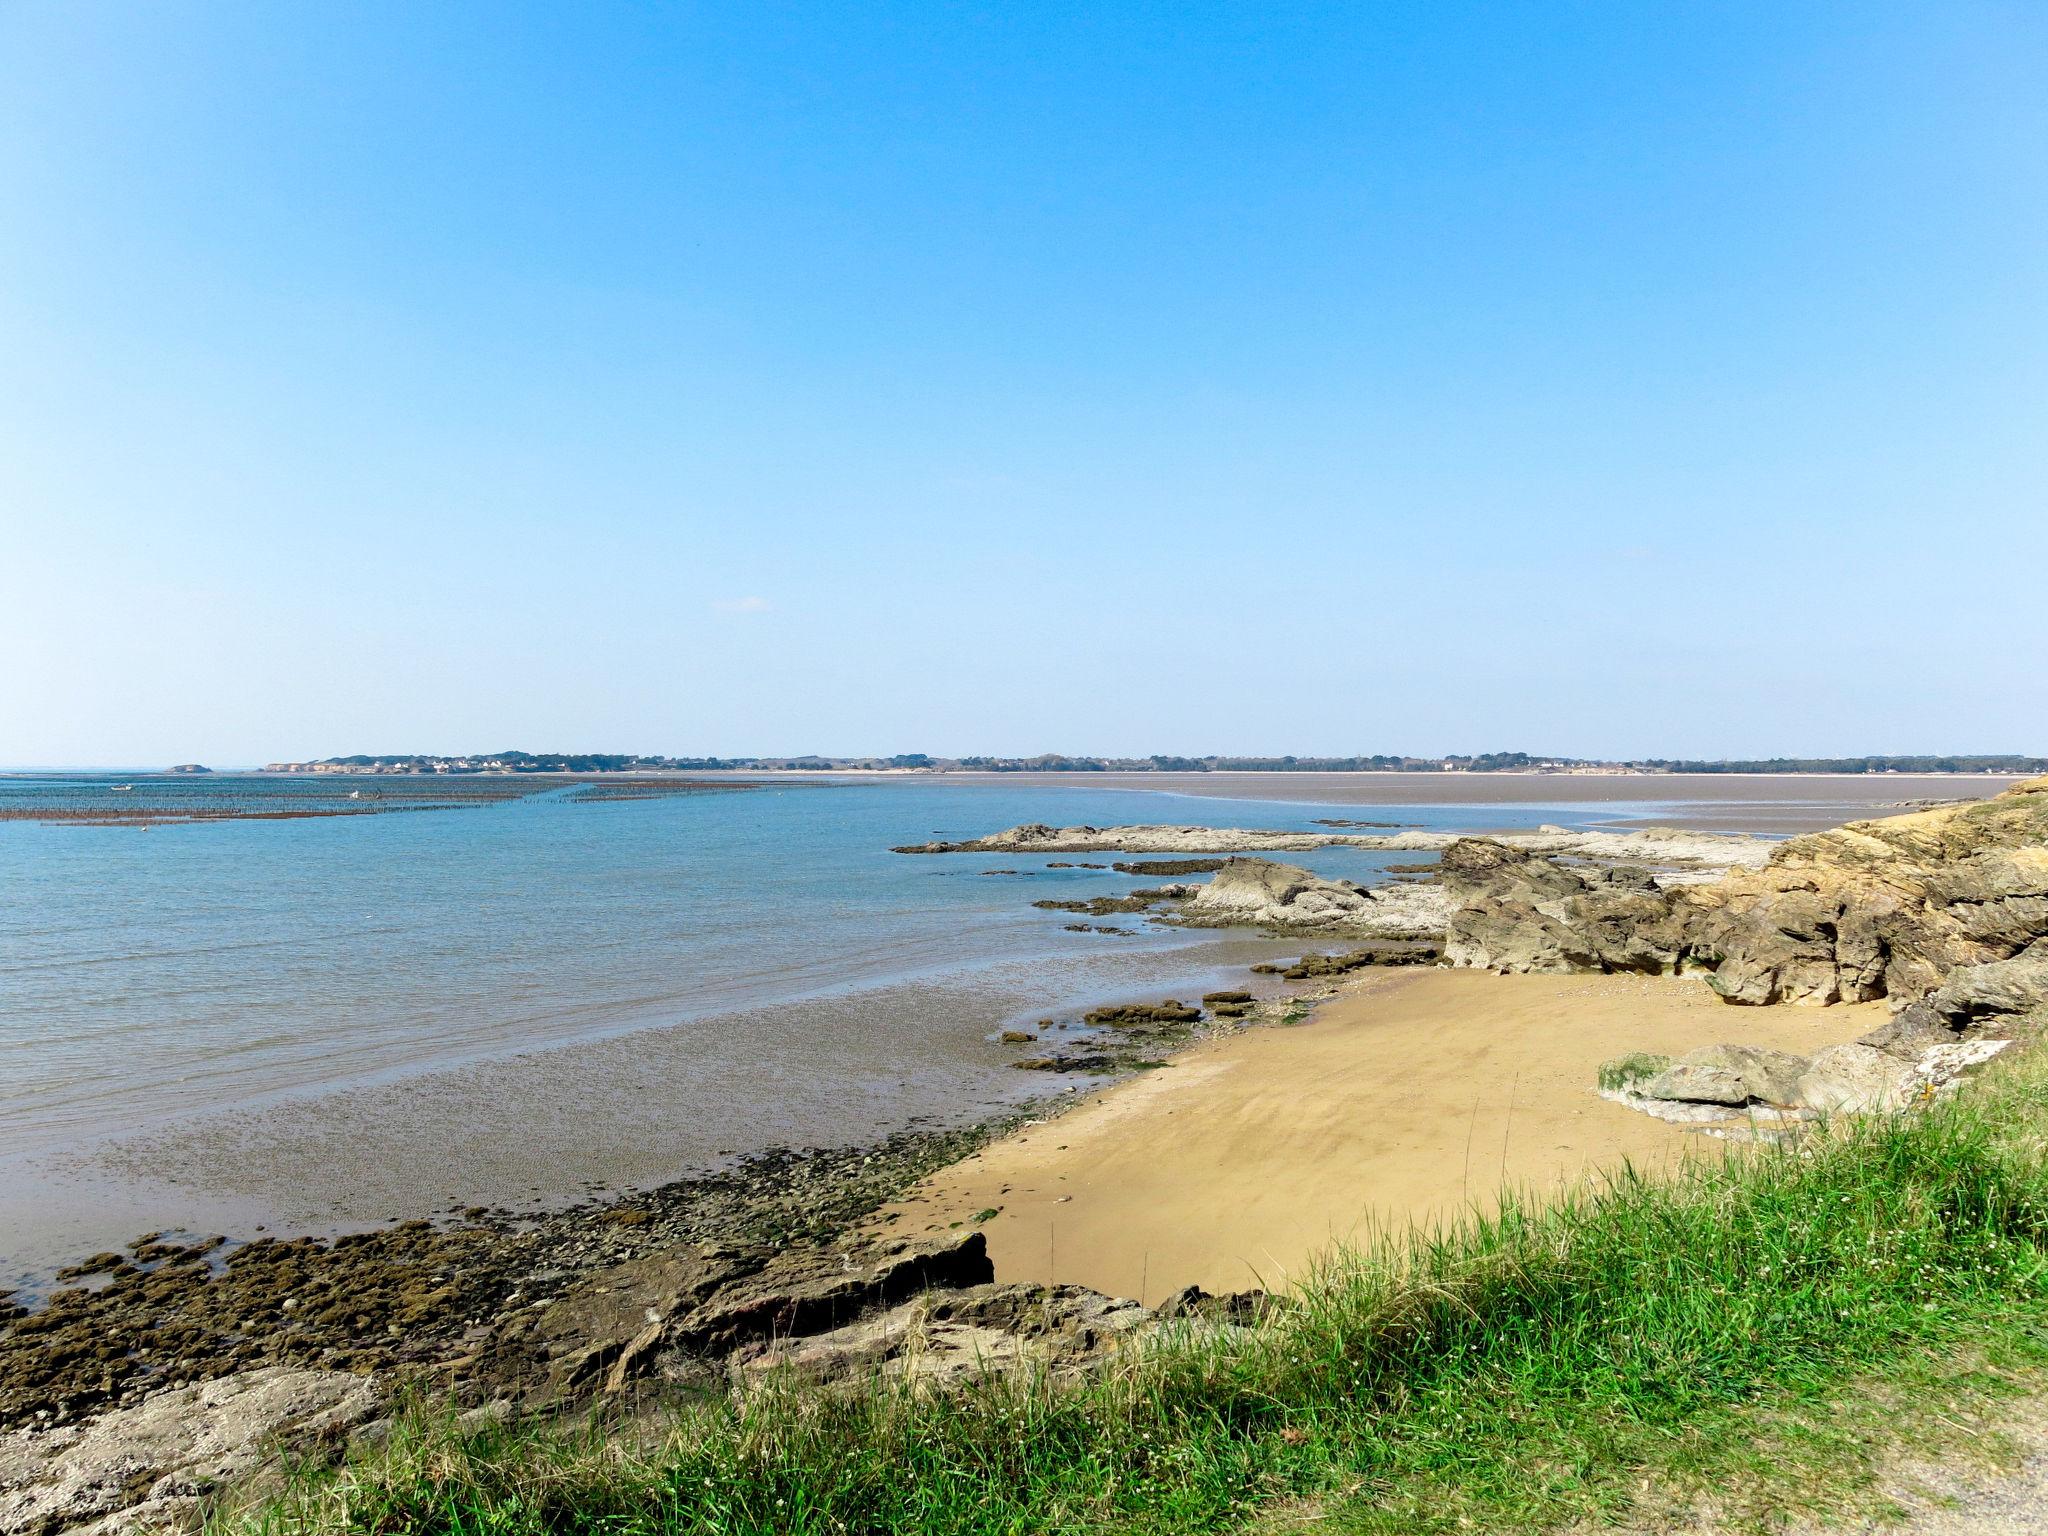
<point>1747,1330</point>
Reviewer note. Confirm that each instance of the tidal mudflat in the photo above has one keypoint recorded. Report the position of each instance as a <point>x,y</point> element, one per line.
<point>1776,804</point>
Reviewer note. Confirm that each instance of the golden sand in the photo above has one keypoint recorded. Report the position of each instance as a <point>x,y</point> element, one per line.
<point>1405,1099</point>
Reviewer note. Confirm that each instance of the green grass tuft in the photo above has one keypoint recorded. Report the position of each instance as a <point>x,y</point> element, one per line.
<point>1749,1328</point>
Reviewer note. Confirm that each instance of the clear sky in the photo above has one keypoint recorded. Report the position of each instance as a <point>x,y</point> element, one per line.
<point>1597,378</point>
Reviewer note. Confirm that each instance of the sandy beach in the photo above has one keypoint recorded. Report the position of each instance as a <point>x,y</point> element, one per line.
<point>1402,1100</point>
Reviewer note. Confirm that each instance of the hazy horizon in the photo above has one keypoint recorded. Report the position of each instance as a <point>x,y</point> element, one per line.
<point>721,379</point>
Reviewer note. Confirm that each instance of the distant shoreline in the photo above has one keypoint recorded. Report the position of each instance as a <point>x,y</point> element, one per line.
<point>1029,775</point>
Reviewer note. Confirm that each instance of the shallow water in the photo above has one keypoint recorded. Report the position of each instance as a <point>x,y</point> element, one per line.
<point>336,1020</point>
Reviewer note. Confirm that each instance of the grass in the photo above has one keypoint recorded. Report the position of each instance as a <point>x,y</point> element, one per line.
<point>1753,1329</point>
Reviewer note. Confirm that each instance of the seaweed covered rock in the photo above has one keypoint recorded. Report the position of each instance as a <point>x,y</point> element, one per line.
<point>1139,1015</point>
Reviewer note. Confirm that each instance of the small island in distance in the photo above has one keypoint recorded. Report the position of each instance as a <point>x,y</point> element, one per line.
<point>1054,762</point>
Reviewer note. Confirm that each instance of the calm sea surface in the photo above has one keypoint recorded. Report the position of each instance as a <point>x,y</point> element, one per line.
<point>333,1019</point>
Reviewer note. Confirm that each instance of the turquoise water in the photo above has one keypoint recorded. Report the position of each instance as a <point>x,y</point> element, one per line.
<point>587,992</point>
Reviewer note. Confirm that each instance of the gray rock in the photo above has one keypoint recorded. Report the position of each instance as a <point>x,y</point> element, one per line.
<point>1997,989</point>
<point>1728,1074</point>
<point>1910,1033</point>
<point>1973,999</point>
<point>1878,908</point>
<point>172,1449</point>
<point>1515,911</point>
<point>945,1336</point>
<point>1696,1085</point>
<point>800,1298</point>
<point>1856,1079</point>
<point>1261,891</point>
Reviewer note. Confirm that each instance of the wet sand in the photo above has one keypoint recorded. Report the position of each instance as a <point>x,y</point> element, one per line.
<point>1774,804</point>
<point>1403,1100</point>
<point>545,1128</point>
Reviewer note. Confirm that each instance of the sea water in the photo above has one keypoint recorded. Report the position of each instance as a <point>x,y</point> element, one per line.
<point>340,1019</point>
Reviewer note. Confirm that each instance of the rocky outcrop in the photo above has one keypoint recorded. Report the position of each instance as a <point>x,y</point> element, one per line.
<point>944,1337</point>
<point>1143,1015</point>
<point>1874,909</point>
<point>1108,906</point>
<point>1974,1001</point>
<point>147,1467</point>
<point>1511,910</point>
<point>1773,1088</point>
<point>1262,893</point>
<point>624,1327</point>
<point>1880,908</point>
<point>1652,845</point>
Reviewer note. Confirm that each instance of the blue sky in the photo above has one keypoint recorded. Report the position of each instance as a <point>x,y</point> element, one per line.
<point>1594,378</point>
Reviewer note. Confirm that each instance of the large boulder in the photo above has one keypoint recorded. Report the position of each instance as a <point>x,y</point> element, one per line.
<point>1856,1079</point>
<point>1998,989</point>
<point>1728,1074</point>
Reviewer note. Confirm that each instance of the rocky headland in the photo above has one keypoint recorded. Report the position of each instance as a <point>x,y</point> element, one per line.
<point>1873,909</point>
<point>1943,913</point>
